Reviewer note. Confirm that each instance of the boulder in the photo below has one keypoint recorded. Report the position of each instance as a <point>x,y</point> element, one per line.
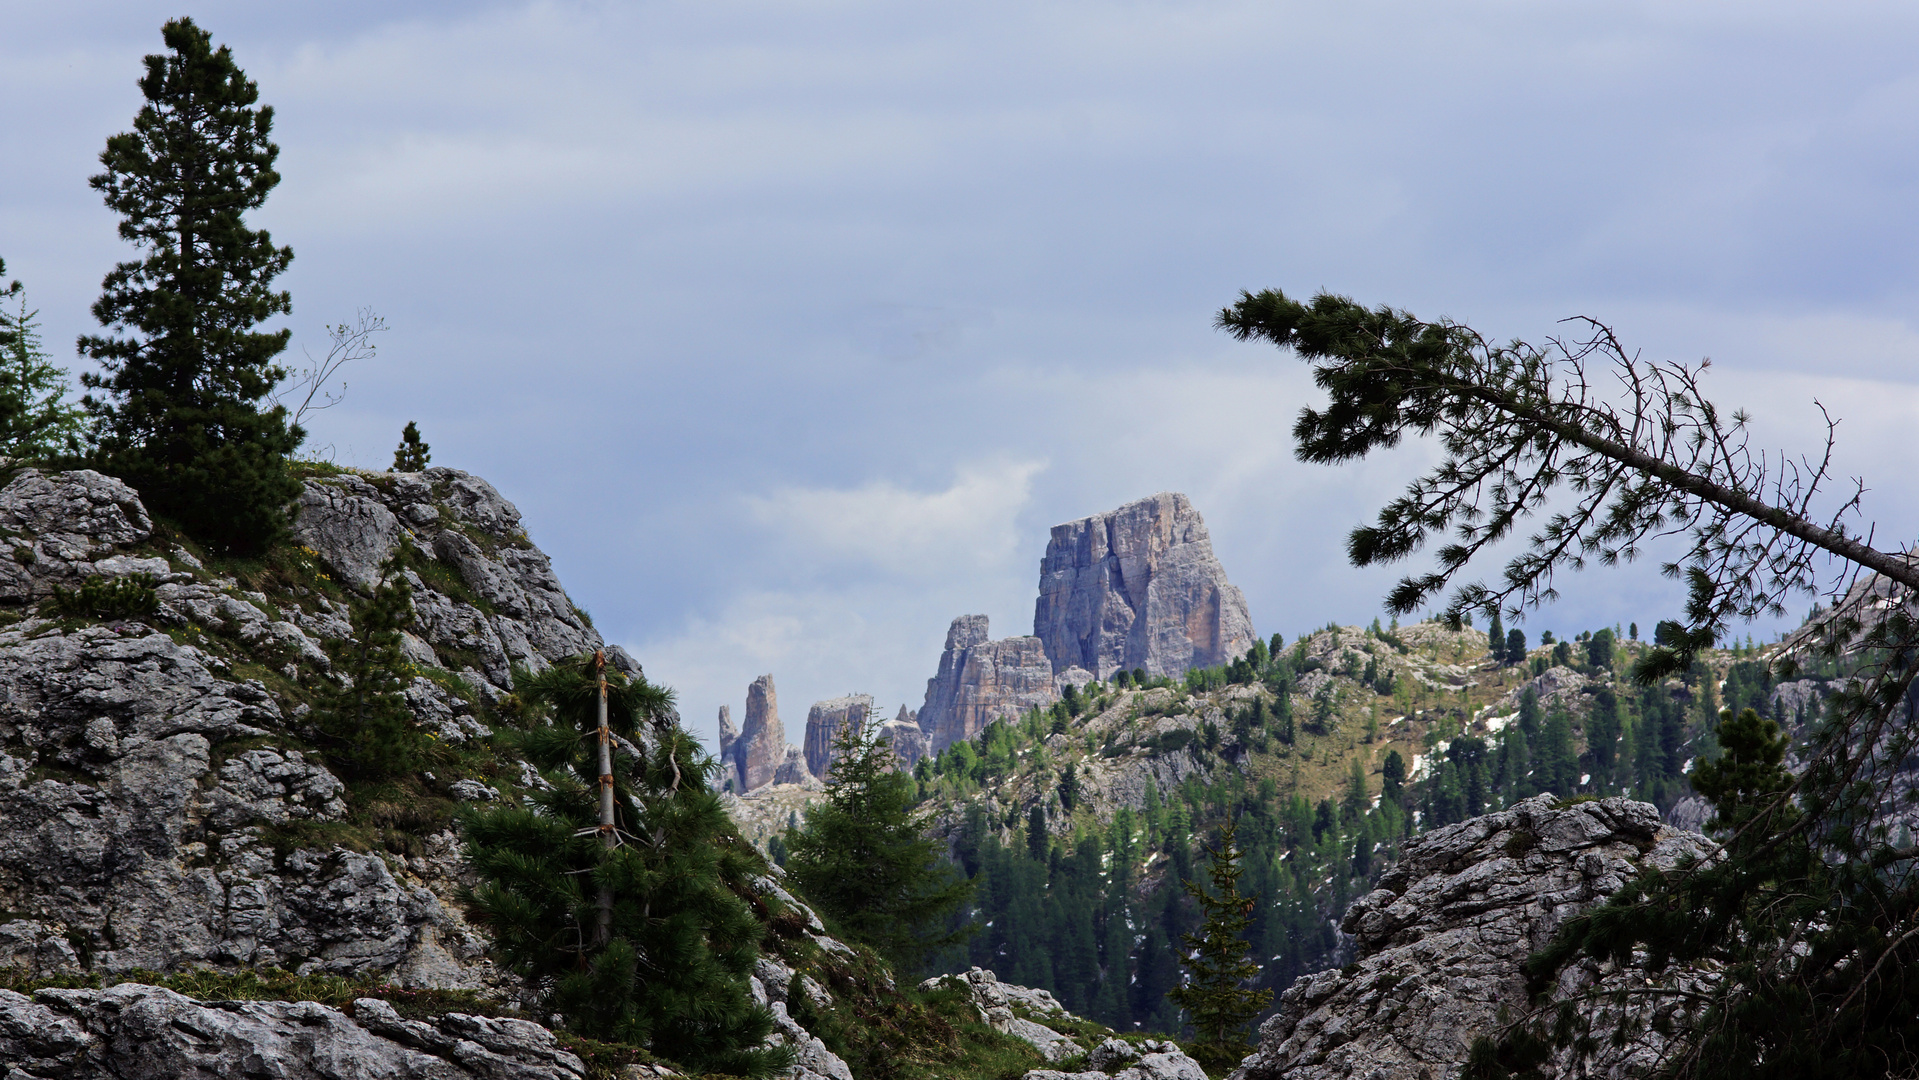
<point>1138,587</point>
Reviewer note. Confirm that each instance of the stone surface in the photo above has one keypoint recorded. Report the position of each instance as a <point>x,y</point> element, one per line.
<point>134,1032</point>
<point>139,775</point>
<point>1440,942</point>
<point>792,768</point>
<point>997,1003</point>
<point>907,740</point>
<point>824,722</point>
<point>728,736</point>
<point>513,609</point>
<point>1138,587</point>
<point>980,681</point>
<point>761,747</point>
<point>1116,1059</point>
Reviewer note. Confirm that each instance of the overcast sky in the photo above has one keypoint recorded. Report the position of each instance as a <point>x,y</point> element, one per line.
<point>792,328</point>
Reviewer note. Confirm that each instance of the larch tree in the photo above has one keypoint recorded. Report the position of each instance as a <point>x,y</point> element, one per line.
<point>177,408</point>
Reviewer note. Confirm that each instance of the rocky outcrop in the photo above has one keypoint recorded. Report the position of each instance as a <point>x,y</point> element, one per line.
<point>1116,1059</point>
<point>134,1032</point>
<point>757,754</point>
<point>728,736</point>
<point>980,681</point>
<point>1440,942</point>
<point>157,808</point>
<point>508,607</point>
<point>1138,587</point>
<point>906,738</point>
<point>824,722</point>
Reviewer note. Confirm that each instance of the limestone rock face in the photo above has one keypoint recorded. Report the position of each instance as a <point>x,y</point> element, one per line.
<point>980,681</point>
<point>792,768</point>
<point>824,722</point>
<point>134,1032</point>
<point>761,747</point>
<point>354,522</point>
<point>728,736</point>
<point>142,778</point>
<point>907,739</point>
<point>1441,941</point>
<point>1138,587</point>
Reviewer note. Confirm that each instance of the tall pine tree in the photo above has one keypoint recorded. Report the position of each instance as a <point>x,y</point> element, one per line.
<point>1217,996</point>
<point>184,371</point>
<point>864,858</point>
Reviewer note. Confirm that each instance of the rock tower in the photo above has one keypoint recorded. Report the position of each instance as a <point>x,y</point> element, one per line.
<point>1138,587</point>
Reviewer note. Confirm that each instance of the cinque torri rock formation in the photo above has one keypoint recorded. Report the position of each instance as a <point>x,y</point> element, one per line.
<point>1138,587</point>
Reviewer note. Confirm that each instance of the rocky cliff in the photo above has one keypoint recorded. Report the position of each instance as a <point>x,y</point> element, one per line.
<point>824,722</point>
<point>161,804</point>
<point>1439,943</point>
<point>761,747</point>
<point>980,681</point>
<point>1138,587</point>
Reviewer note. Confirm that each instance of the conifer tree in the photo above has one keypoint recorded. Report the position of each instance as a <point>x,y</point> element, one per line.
<point>865,861</point>
<point>1496,638</point>
<point>184,371</point>
<point>1217,995</point>
<point>412,454</point>
<point>642,940</point>
<point>366,728</point>
<point>35,420</point>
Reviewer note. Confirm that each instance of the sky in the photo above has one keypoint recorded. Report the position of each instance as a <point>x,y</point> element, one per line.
<point>792,328</point>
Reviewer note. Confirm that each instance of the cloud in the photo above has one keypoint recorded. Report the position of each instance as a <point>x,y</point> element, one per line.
<point>884,527</point>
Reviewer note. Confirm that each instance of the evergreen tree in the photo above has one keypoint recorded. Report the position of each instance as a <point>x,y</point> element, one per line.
<point>1602,735</point>
<point>633,934</point>
<point>183,380</point>
<point>1558,766</point>
<point>1599,651</point>
<point>1515,646</point>
<point>366,728</point>
<point>864,859</point>
<point>1393,776</point>
<point>35,420</point>
<point>1496,638</point>
<point>1216,996</point>
<point>412,454</point>
<point>1529,713</point>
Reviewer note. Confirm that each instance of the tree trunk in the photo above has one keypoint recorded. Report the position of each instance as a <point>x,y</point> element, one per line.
<point>604,931</point>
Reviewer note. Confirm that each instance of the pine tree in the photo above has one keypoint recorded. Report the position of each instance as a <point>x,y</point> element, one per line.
<point>366,728</point>
<point>184,377</point>
<point>35,420</point>
<point>644,939</point>
<point>1496,638</point>
<point>412,454</point>
<point>1216,996</point>
<point>864,859</point>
